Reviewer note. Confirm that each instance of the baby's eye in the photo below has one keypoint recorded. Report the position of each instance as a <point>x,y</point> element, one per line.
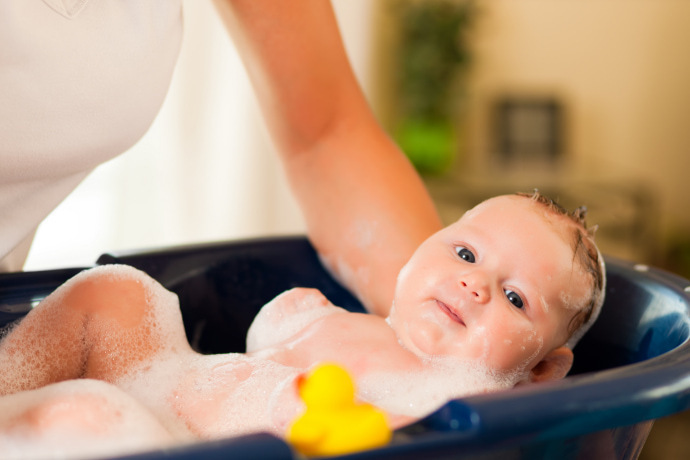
<point>514,298</point>
<point>465,254</point>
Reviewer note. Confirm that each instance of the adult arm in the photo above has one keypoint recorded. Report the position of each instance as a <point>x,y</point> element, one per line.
<point>365,207</point>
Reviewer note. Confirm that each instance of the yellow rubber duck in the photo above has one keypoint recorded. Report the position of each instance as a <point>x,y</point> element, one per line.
<point>334,423</point>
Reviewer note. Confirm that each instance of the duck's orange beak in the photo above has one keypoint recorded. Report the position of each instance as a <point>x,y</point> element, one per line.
<point>299,382</point>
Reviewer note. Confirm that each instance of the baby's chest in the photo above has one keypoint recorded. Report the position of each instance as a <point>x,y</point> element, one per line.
<point>237,396</point>
<point>358,345</point>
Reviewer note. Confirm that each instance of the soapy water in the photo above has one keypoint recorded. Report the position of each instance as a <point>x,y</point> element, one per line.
<point>184,396</point>
<point>74,335</point>
<point>213,397</point>
<point>189,396</point>
<point>418,394</point>
<point>77,419</point>
<point>58,352</point>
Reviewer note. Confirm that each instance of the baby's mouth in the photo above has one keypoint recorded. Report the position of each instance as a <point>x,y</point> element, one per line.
<point>450,312</point>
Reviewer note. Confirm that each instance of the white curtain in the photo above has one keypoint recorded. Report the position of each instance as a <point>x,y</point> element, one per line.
<point>205,171</point>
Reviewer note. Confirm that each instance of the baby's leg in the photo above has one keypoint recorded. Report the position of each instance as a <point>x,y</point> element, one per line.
<point>76,418</point>
<point>100,324</point>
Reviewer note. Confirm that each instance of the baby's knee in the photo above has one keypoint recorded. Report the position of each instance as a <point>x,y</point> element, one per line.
<point>64,412</point>
<point>69,407</point>
<point>70,414</point>
<point>113,291</point>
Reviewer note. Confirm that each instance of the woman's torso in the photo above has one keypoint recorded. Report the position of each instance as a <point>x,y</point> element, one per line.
<point>80,82</point>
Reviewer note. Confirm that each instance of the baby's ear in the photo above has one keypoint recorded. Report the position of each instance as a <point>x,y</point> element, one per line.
<point>554,366</point>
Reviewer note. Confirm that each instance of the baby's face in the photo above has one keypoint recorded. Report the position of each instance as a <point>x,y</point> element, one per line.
<point>498,287</point>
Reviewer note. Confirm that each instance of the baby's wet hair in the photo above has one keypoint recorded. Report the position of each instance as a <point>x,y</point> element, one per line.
<point>586,252</point>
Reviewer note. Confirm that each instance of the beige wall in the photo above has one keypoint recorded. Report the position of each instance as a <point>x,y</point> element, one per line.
<point>623,69</point>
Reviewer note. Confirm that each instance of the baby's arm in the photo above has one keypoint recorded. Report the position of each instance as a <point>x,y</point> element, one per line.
<point>365,206</point>
<point>99,324</point>
<point>286,315</point>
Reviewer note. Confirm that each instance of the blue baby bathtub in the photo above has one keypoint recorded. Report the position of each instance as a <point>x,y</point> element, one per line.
<point>632,367</point>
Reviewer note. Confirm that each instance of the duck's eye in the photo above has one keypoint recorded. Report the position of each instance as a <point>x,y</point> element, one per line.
<point>514,298</point>
<point>465,254</point>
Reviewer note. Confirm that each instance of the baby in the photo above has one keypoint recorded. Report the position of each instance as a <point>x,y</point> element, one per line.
<point>495,300</point>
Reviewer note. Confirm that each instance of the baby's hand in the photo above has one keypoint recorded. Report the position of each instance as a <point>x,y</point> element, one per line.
<point>286,315</point>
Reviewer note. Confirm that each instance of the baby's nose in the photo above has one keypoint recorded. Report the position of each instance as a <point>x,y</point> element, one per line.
<point>478,290</point>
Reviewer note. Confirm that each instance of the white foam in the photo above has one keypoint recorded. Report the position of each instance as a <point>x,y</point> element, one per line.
<point>526,365</point>
<point>544,304</point>
<point>417,394</point>
<point>126,349</point>
<point>209,397</point>
<point>77,419</point>
<point>286,315</point>
<point>569,302</point>
<point>479,334</point>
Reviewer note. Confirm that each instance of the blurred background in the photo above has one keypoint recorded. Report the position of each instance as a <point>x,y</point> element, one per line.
<point>586,100</point>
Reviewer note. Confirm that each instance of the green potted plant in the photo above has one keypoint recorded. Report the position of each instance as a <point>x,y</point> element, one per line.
<point>431,57</point>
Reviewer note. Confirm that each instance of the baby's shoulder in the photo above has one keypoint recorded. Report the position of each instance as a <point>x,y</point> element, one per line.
<point>286,315</point>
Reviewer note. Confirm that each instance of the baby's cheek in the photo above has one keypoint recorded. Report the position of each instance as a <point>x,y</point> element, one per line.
<point>427,336</point>
<point>480,346</point>
<point>528,346</point>
<point>512,349</point>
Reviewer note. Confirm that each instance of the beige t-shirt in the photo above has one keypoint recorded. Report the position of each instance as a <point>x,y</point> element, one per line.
<point>80,82</point>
